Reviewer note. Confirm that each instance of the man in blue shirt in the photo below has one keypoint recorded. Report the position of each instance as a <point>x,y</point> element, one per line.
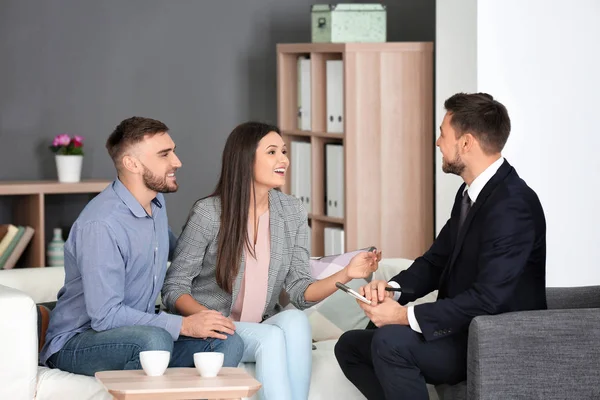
<point>115,263</point>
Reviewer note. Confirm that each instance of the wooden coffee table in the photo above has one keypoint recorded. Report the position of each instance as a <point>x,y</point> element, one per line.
<point>178,383</point>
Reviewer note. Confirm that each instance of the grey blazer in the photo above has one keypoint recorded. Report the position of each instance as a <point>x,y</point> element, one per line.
<point>193,267</point>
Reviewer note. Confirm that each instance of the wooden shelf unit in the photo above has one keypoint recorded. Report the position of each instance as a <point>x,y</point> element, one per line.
<point>388,141</point>
<point>29,209</point>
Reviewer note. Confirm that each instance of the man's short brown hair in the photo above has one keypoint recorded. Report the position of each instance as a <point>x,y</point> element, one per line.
<point>482,116</point>
<point>129,132</point>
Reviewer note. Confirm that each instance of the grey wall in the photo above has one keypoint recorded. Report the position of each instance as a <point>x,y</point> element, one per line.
<point>200,66</point>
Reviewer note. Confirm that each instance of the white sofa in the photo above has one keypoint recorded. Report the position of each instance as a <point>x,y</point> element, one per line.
<point>22,378</point>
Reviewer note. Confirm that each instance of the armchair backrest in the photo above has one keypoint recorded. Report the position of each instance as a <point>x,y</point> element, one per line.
<point>564,298</point>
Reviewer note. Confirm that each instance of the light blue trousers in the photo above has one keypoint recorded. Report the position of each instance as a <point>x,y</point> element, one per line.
<point>281,346</point>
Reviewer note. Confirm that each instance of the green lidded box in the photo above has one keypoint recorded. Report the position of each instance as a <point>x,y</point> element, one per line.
<point>348,23</point>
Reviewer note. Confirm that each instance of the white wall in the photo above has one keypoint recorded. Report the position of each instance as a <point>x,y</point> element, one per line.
<point>541,58</point>
<point>456,71</point>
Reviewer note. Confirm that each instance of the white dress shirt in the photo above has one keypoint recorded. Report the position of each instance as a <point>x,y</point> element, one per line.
<point>473,190</point>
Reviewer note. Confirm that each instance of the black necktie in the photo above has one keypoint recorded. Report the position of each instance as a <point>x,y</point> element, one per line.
<point>465,206</point>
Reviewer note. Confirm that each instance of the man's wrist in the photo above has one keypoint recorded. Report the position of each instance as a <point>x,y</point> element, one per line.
<point>184,326</point>
<point>402,316</point>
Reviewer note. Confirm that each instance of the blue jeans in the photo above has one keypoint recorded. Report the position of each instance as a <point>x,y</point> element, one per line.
<point>117,349</point>
<point>281,346</point>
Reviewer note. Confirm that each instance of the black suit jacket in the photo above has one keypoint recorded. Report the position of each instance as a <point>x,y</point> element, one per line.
<point>496,263</point>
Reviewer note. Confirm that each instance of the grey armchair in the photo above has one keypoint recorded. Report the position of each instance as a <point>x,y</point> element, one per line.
<point>550,354</point>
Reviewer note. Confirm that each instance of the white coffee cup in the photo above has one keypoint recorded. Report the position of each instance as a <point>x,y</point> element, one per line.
<point>155,362</point>
<point>208,364</point>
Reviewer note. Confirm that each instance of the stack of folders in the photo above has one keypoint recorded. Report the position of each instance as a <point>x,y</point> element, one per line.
<point>301,174</point>
<point>334,75</point>
<point>304,108</point>
<point>334,170</point>
<point>13,241</point>
<point>334,241</point>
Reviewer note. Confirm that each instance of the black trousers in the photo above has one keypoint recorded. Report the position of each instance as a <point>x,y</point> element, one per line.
<point>395,362</point>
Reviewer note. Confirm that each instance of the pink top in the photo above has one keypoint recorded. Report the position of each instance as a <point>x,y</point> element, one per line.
<point>251,299</point>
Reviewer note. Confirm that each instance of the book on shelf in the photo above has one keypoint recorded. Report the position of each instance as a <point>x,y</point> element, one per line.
<point>17,238</point>
<point>7,233</point>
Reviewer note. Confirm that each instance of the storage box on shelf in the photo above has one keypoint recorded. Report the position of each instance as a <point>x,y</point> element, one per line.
<point>29,209</point>
<point>387,132</point>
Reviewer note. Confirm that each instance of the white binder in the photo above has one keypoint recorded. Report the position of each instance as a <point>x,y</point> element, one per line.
<point>301,171</point>
<point>304,108</point>
<point>335,95</point>
<point>334,170</point>
<point>296,167</point>
<point>333,241</point>
<point>340,245</point>
<point>306,176</point>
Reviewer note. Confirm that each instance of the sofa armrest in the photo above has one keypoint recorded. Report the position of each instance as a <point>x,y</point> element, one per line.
<point>18,345</point>
<point>549,354</point>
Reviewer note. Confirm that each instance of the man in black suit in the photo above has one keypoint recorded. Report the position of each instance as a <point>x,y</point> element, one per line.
<point>488,259</point>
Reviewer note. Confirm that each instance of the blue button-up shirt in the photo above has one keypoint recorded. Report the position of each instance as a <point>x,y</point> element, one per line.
<point>115,264</point>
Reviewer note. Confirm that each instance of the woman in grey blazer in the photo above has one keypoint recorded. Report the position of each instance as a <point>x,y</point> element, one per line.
<point>240,248</point>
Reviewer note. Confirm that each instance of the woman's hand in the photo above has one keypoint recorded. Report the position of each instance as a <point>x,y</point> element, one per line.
<point>363,264</point>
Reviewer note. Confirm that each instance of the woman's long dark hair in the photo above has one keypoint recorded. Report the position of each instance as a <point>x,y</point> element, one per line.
<point>234,189</point>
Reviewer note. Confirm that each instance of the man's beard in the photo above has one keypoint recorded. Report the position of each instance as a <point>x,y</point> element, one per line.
<point>158,184</point>
<point>455,166</point>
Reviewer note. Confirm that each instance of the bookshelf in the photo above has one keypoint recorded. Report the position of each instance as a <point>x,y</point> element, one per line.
<point>387,138</point>
<point>29,209</point>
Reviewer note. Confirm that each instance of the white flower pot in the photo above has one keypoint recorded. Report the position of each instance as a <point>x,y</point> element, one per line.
<point>69,168</point>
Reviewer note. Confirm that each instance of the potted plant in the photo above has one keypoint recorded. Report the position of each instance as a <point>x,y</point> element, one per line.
<point>69,157</point>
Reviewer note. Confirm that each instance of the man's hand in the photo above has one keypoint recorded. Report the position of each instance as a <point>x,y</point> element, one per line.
<point>207,323</point>
<point>388,312</point>
<point>363,264</point>
<point>375,291</point>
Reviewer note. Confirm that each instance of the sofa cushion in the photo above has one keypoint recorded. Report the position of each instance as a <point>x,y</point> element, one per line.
<point>41,284</point>
<point>55,384</point>
<point>339,312</point>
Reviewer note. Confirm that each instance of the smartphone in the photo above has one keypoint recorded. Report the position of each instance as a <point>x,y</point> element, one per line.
<point>352,293</point>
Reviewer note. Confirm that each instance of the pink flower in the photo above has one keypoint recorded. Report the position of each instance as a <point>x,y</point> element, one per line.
<point>56,142</point>
<point>62,140</point>
<point>78,141</point>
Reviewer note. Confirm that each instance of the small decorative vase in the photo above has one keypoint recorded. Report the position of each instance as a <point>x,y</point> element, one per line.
<point>56,250</point>
<point>68,168</point>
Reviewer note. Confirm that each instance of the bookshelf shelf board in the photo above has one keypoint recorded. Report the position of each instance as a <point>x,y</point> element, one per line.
<point>325,218</point>
<point>51,187</point>
<point>303,48</point>
<point>338,136</point>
